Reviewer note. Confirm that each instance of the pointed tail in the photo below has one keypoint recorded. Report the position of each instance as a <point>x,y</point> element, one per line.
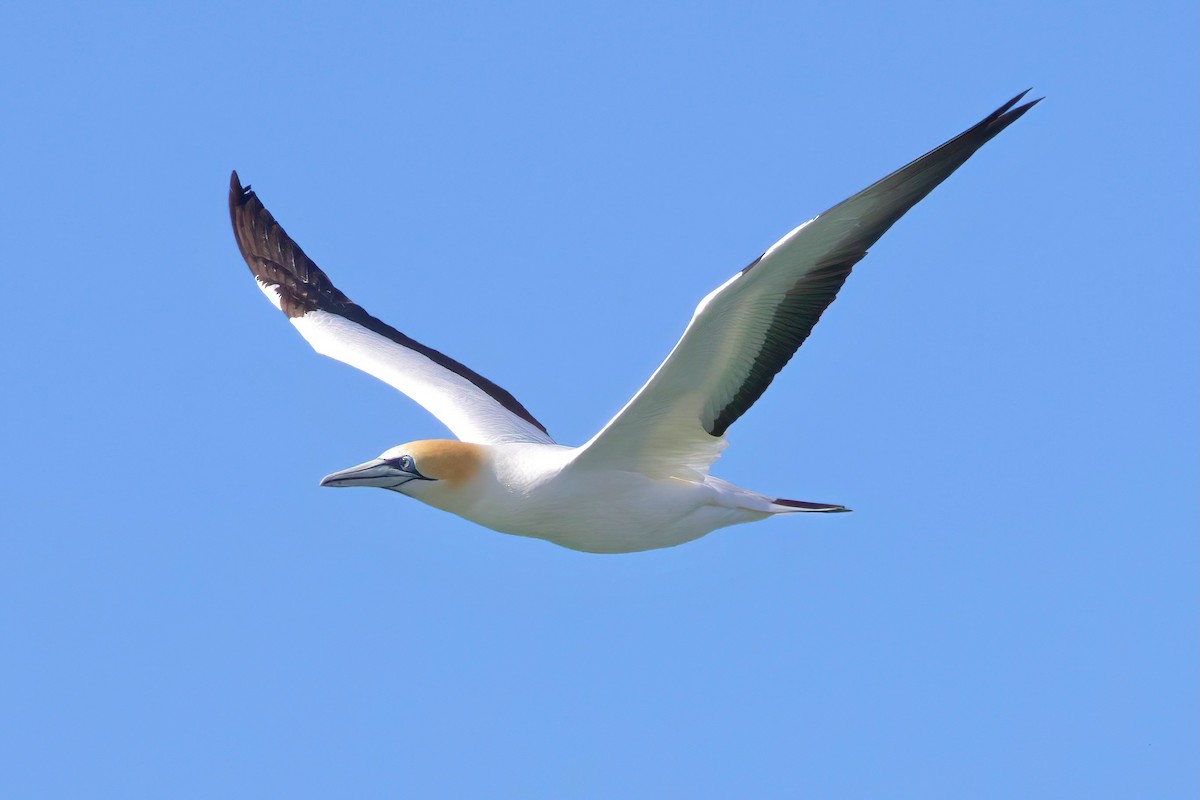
<point>801,505</point>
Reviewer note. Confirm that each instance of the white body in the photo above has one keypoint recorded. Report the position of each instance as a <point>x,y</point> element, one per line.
<point>534,490</point>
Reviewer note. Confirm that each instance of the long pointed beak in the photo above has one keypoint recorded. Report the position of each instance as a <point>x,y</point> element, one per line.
<point>375,472</point>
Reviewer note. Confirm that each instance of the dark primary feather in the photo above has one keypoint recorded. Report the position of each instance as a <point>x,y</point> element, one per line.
<point>790,325</point>
<point>808,298</point>
<point>275,259</point>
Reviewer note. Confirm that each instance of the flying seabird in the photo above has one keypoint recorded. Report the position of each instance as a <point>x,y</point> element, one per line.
<point>643,481</point>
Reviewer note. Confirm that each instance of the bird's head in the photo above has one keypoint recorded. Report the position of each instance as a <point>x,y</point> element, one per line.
<point>430,469</point>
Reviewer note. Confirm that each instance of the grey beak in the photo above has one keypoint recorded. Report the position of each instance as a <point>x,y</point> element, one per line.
<point>375,472</point>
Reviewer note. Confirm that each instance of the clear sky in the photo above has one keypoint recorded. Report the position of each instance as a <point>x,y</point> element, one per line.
<point>1005,393</point>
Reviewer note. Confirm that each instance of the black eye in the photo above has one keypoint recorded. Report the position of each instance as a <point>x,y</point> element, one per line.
<point>405,463</point>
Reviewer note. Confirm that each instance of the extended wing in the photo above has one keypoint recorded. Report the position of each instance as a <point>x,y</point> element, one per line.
<point>744,332</point>
<point>471,406</point>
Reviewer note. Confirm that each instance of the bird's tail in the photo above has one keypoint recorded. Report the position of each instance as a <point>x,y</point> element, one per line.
<point>789,506</point>
<point>753,501</point>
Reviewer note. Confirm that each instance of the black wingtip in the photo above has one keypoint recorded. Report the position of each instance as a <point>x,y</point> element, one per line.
<point>1009,117</point>
<point>1029,105</point>
<point>1012,102</point>
<point>238,194</point>
<point>994,122</point>
<point>1007,114</point>
<point>1004,111</point>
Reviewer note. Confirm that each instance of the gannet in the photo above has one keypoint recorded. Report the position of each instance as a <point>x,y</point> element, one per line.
<point>643,481</point>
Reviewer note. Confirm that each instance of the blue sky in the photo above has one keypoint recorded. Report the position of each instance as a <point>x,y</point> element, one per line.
<point>1005,392</point>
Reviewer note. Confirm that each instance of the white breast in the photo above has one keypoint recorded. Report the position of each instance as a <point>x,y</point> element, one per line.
<point>532,491</point>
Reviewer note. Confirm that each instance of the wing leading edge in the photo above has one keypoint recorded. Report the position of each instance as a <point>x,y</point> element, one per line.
<point>743,333</point>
